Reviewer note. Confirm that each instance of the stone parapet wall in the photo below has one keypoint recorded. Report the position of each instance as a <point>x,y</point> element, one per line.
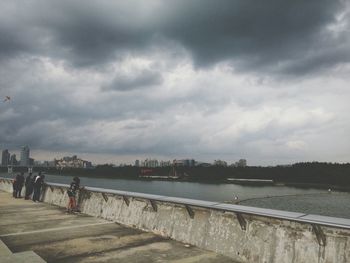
<point>245,237</point>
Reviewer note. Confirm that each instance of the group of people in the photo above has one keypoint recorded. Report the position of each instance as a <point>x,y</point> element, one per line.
<point>34,185</point>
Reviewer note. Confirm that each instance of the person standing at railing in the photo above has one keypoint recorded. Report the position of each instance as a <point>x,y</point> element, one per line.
<point>29,186</point>
<point>14,186</point>
<point>20,183</point>
<point>72,192</point>
<point>38,184</point>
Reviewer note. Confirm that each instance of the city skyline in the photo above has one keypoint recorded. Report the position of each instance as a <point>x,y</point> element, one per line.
<point>141,162</point>
<point>24,153</point>
<point>236,79</point>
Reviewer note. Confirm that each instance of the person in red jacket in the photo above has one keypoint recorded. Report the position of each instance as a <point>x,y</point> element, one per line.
<point>72,192</point>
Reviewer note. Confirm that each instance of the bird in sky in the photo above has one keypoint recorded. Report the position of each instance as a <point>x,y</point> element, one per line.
<point>7,98</point>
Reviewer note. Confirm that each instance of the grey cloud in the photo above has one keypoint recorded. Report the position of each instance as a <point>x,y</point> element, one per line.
<point>258,36</point>
<point>82,33</point>
<point>254,35</point>
<point>134,80</point>
<point>315,62</point>
<point>15,41</point>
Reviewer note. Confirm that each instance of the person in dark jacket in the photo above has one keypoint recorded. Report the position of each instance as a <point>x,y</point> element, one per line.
<point>14,186</point>
<point>38,184</point>
<point>20,183</point>
<point>72,192</point>
<point>29,186</point>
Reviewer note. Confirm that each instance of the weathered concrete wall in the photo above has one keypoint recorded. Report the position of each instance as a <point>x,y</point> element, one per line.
<point>6,185</point>
<point>264,240</point>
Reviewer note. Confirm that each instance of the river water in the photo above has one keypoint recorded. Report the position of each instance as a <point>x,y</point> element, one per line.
<point>305,200</point>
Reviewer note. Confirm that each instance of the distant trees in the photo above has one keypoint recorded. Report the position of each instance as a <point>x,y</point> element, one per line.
<point>320,173</point>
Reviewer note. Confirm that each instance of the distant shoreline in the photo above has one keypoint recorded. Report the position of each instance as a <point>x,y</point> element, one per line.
<point>320,175</point>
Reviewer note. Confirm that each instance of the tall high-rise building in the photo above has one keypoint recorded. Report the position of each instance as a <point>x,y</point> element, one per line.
<point>25,156</point>
<point>13,159</point>
<point>5,158</point>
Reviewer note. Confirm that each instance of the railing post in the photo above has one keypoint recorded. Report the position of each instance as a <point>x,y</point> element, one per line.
<point>154,205</point>
<point>242,222</point>
<point>321,237</point>
<point>126,200</point>
<point>189,211</point>
<point>105,197</point>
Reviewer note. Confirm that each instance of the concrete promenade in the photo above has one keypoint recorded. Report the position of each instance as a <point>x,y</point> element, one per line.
<point>242,233</point>
<point>59,237</point>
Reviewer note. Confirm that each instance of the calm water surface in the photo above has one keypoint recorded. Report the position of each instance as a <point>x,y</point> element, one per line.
<point>306,200</point>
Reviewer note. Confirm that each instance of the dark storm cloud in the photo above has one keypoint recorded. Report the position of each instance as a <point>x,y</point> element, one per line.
<point>16,40</point>
<point>135,80</point>
<point>252,35</point>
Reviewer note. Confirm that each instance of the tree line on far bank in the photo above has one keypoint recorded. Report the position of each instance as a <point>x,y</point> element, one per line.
<point>298,173</point>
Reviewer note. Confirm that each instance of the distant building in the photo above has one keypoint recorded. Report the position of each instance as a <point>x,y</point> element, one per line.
<point>150,163</point>
<point>165,163</point>
<point>38,164</point>
<point>25,156</point>
<point>69,159</point>
<point>220,163</point>
<point>48,163</point>
<point>184,162</point>
<point>137,163</point>
<point>5,158</point>
<point>13,160</point>
<point>87,164</point>
<point>72,162</point>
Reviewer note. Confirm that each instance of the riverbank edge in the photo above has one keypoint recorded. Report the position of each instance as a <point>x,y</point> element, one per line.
<point>332,187</point>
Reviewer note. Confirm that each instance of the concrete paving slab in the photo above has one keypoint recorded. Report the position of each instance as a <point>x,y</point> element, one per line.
<point>27,240</point>
<point>32,216</point>
<point>162,251</point>
<point>59,237</point>
<point>60,221</point>
<point>24,208</point>
<point>4,250</point>
<point>23,257</point>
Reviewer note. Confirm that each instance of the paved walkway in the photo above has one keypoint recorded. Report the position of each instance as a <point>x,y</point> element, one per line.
<point>59,237</point>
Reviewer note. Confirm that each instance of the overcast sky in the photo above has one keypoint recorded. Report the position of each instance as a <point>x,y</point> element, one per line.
<point>115,81</point>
